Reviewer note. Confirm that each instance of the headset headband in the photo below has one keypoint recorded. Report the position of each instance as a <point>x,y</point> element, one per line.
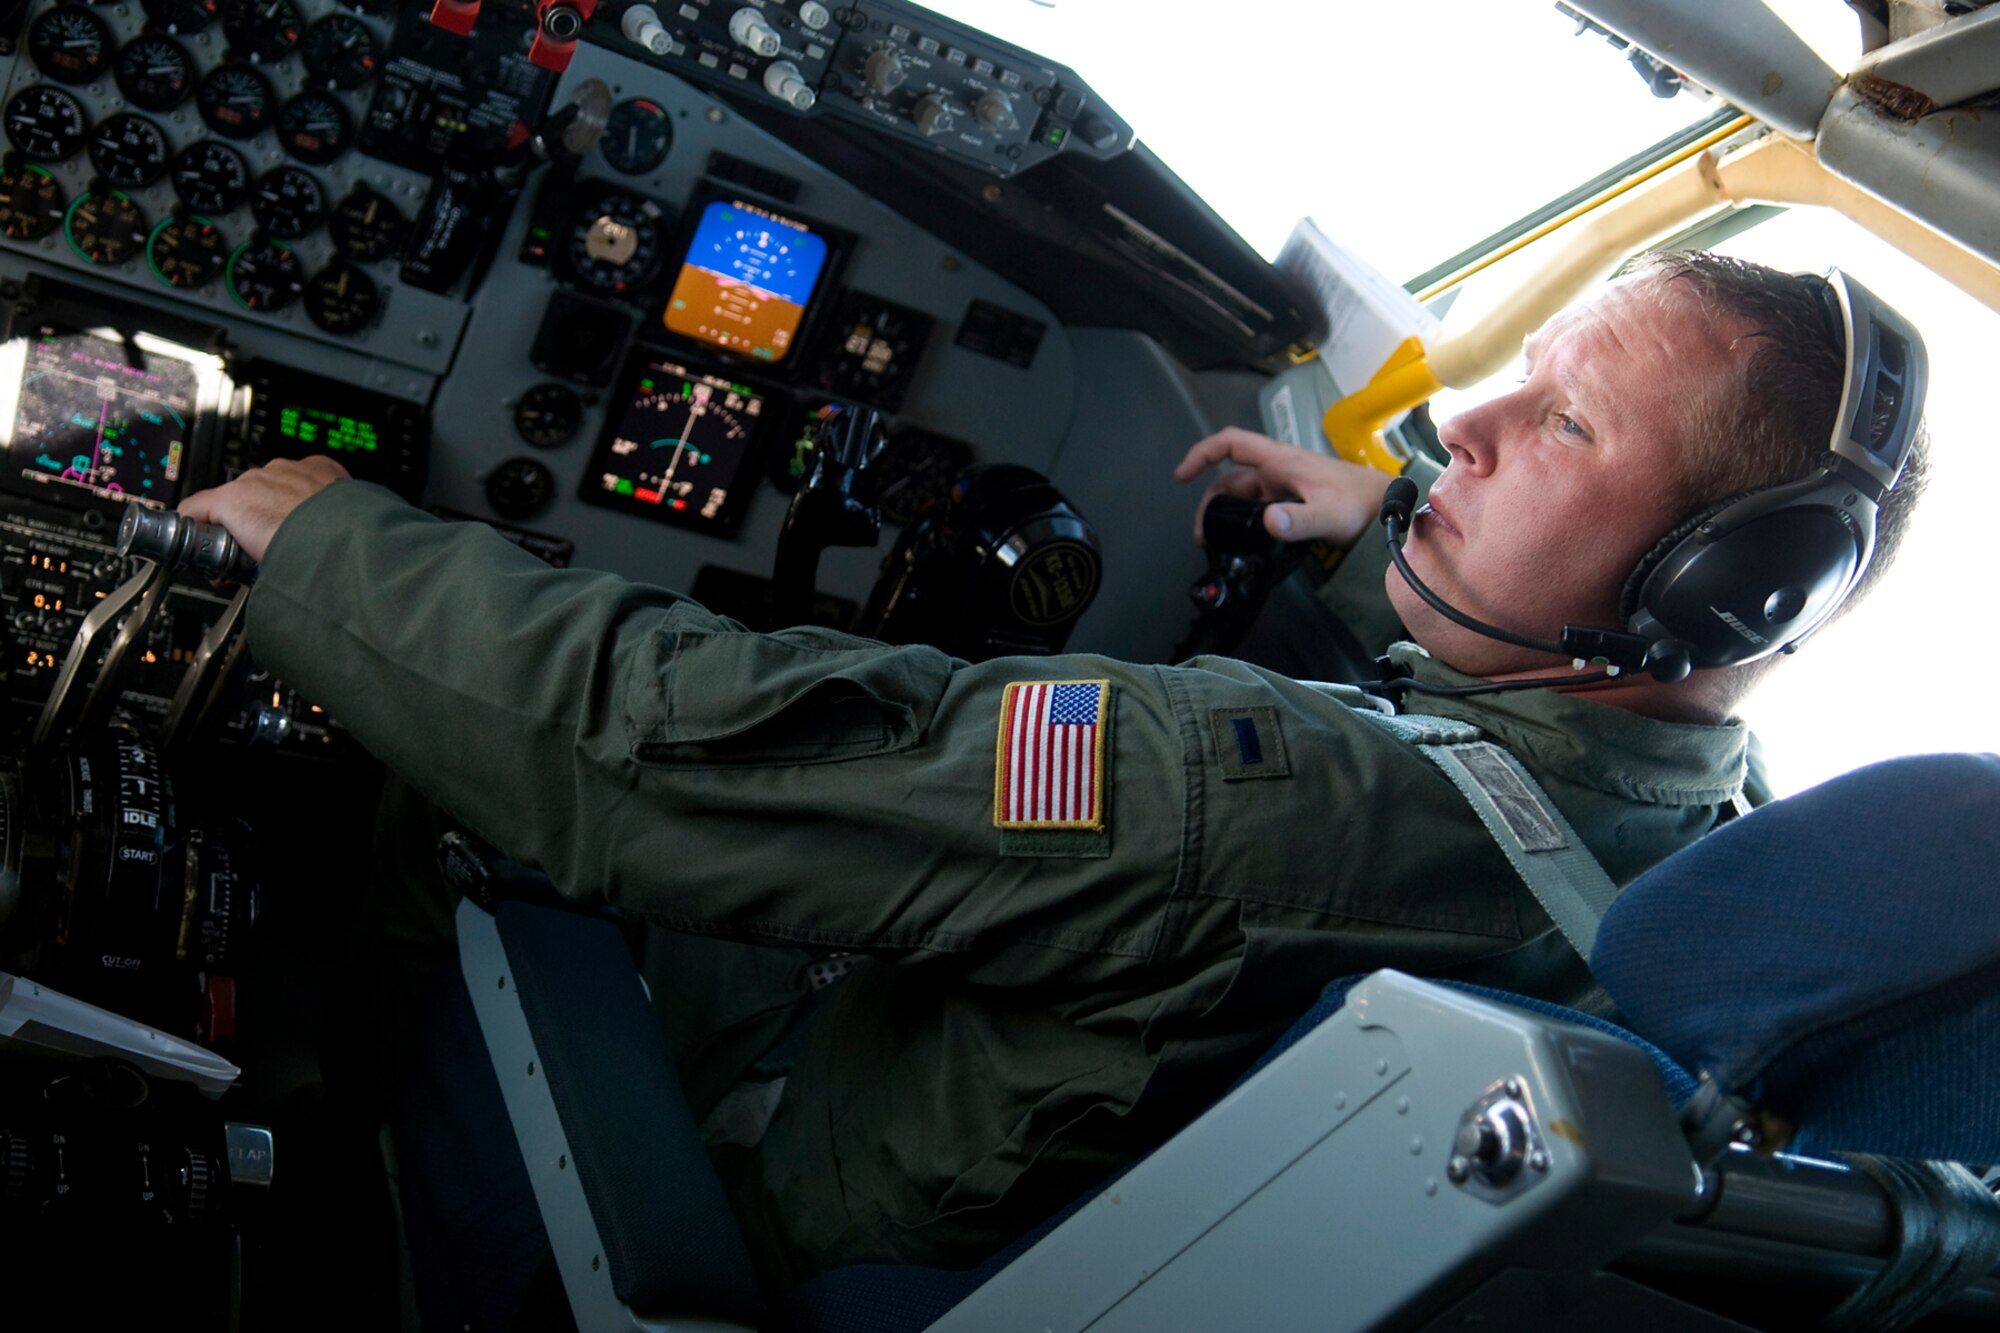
<point>1882,398</point>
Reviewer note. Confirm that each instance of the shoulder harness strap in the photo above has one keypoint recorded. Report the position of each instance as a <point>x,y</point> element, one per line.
<point>1539,843</point>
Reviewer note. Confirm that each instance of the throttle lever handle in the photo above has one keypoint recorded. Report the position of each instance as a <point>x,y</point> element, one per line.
<point>181,543</point>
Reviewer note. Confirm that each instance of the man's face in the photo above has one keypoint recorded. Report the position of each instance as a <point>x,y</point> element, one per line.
<point>1556,489</point>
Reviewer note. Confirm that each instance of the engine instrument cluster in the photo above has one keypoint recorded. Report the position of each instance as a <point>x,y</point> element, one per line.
<point>200,150</point>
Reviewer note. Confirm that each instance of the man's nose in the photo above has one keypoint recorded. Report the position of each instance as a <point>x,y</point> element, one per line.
<point>1472,436</point>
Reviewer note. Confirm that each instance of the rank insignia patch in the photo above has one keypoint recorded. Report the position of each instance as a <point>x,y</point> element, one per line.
<point>1048,769</point>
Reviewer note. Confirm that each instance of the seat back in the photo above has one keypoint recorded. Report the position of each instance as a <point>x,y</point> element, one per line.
<point>1834,958</point>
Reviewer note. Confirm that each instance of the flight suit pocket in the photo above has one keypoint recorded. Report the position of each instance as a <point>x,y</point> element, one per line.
<point>798,697</point>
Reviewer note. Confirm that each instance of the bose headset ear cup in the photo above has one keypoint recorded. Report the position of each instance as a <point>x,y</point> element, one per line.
<point>1773,564</point>
<point>1628,600</point>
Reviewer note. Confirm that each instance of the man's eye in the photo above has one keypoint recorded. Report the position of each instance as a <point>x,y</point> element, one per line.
<point>1567,424</point>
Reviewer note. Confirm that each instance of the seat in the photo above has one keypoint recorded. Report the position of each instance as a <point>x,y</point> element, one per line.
<point>1824,971</point>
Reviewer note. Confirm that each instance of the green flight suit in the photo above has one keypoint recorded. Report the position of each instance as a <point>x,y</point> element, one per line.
<point>1035,1007</point>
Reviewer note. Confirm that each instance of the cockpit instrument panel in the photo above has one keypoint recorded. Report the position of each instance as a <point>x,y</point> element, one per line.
<point>684,448</point>
<point>104,415</point>
<point>748,279</point>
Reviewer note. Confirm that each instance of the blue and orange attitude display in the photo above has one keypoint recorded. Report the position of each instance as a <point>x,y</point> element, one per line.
<point>747,280</point>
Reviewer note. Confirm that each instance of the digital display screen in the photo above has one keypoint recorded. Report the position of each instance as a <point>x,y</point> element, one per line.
<point>313,429</point>
<point>747,281</point>
<point>104,414</point>
<point>291,413</point>
<point>682,449</point>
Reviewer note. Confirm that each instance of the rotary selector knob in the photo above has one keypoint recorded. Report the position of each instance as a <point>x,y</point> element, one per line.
<point>783,81</point>
<point>748,30</point>
<point>883,71</point>
<point>815,15</point>
<point>996,111</point>
<point>934,115</point>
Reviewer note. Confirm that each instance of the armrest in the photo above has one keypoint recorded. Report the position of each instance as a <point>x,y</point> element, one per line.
<point>634,1211</point>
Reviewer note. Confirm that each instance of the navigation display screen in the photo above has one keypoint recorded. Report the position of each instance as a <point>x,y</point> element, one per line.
<point>748,279</point>
<point>683,448</point>
<point>104,414</point>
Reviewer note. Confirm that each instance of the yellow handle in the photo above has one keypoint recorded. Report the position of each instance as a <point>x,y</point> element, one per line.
<point>1354,425</point>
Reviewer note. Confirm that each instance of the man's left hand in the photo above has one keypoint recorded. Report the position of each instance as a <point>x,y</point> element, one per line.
<point>1312,496</point>
<point>254,505</point>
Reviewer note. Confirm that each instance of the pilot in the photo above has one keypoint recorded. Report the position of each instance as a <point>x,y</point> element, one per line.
<point>939,945</point>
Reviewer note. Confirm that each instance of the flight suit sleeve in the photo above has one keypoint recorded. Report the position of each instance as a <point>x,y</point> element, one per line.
<point>804,787</point>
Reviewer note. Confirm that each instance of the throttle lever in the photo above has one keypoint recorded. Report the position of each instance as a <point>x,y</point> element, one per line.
<point>175,542</point>
<point>181,543</point>
<point>168,543</point>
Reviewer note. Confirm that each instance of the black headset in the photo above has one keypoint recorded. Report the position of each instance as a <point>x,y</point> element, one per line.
<point>1755,574</point>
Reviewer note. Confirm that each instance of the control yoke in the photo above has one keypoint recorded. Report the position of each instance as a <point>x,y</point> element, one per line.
<point>835,507</point>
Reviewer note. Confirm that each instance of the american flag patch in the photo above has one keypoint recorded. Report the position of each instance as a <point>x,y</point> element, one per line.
<point>1048,769</point>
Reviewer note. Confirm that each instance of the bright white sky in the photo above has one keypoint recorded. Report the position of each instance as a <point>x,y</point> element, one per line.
<point>1412,130</point>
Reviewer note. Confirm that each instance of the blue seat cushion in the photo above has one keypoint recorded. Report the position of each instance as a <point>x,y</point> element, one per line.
<point>1835,958</point>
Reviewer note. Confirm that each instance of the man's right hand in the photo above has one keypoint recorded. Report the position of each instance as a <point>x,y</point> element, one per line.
<point>1313,496</point>
<point>252,506</point>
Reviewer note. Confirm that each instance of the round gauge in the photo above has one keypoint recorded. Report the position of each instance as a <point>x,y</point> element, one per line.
<point>288,203</point>
<point>129,151</point>
<point>70,44</point>
<point>105,227</point>
<point>187,252</point>
<point>182,15</point>
<point>340,52</point>
<point>367,226</point>
<point>262,29</point>
<point>235,101</point>
<point>548,415</point>
<point>341,298</point>
<point>518,487</point>
<point>154,73</point>
<point>637,136</point>
<point>45,123</point>
<point>314,128</point>
<point>211,177</point>
<point>615,244</point>
<point>263,275</point>
<point>31,203</point>
<point>916,470</point>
